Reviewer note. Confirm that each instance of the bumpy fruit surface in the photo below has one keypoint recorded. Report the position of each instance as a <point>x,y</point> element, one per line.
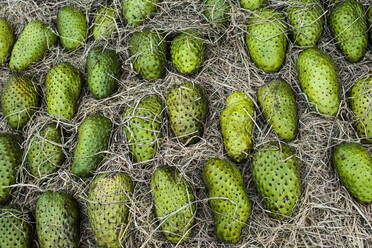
<point>187,107</point>
<point>217,11</point>
<point>57,220</point>
<point>237,125</point>
<point>104,23</point>
<point>142,123</point>
<point>108,208</point>
<point>279,108</point>
<point>174,203</point>
<point>19,100</point>
<point>276,173</point>
<point>35,39</point>
<point>229,201</point>
<point>136,11</point>
<point>6,39</point>
<point>94,136</point>
<point>354,167</point>
<point>252,4</point>
<point>318,77</point>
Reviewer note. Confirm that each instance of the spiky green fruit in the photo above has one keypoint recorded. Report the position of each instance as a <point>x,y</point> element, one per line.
<point>57,220</point>
<point>228,199</point>
<point>252,4</point>
<point>19,100</point>
<point>148,50</point>
<point>279,108</point>
<point>237,125</point>
<point>103,66</point>
<point>104,23</point>
<point>15,228</point>
<point>35,40</point>
<point>63,87</point>
<point>217,11</point>
<point>6,40</point>
<point>108,208</point>
<point>361,102</point>
<point>318,78</point>
<point>276,173</point>
<point>266,39</point>
<point>187,107</point>
<point>187,52</point>
<point>348,25</point>
<point>136,11</point>
<point>142,124</point>
<point>72,27</point>
<point>174,203</point>
<point>94,136</point>
<point>305,18</point>
<point>45,153</point>
<point>354,167</point>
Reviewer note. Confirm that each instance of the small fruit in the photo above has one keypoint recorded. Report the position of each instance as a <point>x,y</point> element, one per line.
<point>237,125</point>
<point>6,40</point>
<point>136,11</point>
<point>217,11</point>
<point>252,4</point>
<point>354,166</point>
<point>174,203</point>
<point>187,107</point>
<point>19,100</point>
<point>104,23</point>
<point>228,200</point>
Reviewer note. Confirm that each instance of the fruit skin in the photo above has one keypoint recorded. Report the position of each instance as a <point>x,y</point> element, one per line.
<point>276,173</point>
<point>217,11</point>
<point>108,208</point>
<point>94,137</point>
<point>354,167</point>
<point>279,108</point>
<point>103,72</point>
<point>45,153</point>
<point>224,180</point>
<point>57,220</point>
<point>348,25</point>
<point>136,11</point>
<point>318,77</point>
<point>63,87</point>
<point>72,27</point>
<point>305,18</point>
<point>175,202</point>
<point>266,39</point>
<point>369,16</point>
<point>6,40</point>
<point>187,52</point>
<point>142,124</point>
<point>10,160</point>
<point>104,23</point>
<point>15,230</point>
<point>187,107</point>
<point>252,4</point>
<point>237,125</point>
<point>35,40</point>
<point>19,100</point>
<point>148,51</point>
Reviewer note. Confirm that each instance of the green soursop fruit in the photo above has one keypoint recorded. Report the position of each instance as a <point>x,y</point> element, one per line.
<point>45,153</point>
<point>252,4</point>
<point>266,39</point>
<point>276,173</point>
<point>148,50</point>
<point>57,220</point>
<point>136,11</point>
<point>174,203</point>
<point>217,11</point>
<point>94,137</point>
<point>237,125</point>
<point>35,40</point>
<point>348,25</point>
<point>187,52</point>
<point>104,23</point>
<point>108,208</point>
<point>305,18</point>
<point>72,27</point>
<point>103,66</point>
<point>63,87</point>
<point>187,107</point>
<point>15,228</point>
<point>6,39</point>
<point>228,199</point>
<point>19,100</point>
<point>318,77</point>
<point>354,167</point>
<point>279,108</point>
<point>142,124</point>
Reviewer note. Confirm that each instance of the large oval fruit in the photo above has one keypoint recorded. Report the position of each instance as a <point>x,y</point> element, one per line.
<point>104,23</point>
<point>6,40</point>
<point>136,11</point>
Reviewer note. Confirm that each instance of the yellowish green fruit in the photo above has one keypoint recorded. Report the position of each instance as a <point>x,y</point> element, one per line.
<point>104,23</point>
<point>6,39</point>
<point>252,4</point>
<point>136,11</point>
<point>217,11</point>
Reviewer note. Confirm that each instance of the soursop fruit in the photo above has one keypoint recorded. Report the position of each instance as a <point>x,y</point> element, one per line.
<point>104,23</point>
<point>136,11</point>
<point>217,11</point>
<point>252,4</point>
<point>6,40</point>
